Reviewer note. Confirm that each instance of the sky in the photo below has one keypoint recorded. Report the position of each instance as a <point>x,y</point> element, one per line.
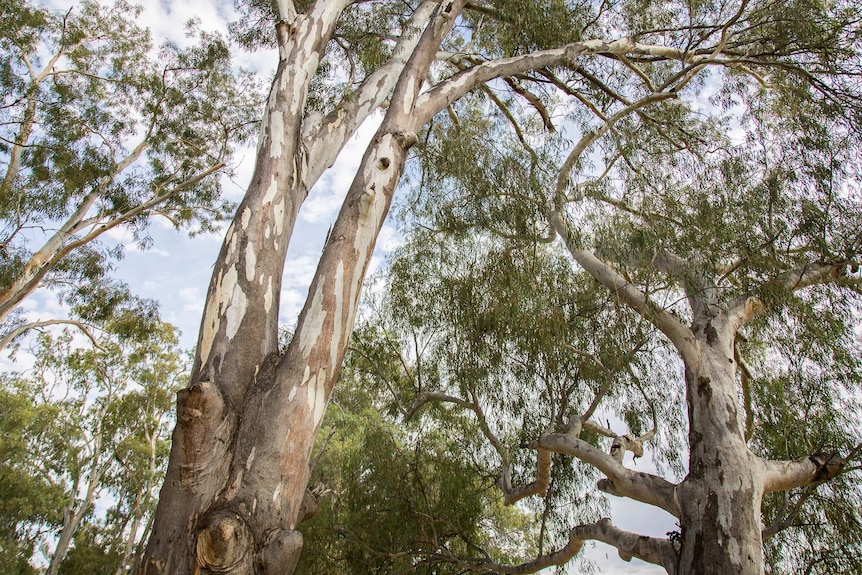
<point>176,270</point>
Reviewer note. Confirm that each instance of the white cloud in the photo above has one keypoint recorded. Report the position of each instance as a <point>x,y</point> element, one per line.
<point>389,239</point>
<point>166,20</point>
<point>235,186</point>
<point>299,271</point>
<point>291,304</point>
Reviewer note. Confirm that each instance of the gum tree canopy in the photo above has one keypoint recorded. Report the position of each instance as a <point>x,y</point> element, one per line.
<point>714,144</point>
<point>99,131</point>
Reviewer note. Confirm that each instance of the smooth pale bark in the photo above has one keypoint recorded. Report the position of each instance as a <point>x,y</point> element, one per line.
<point>723,490</point>
<point>637,485</point>
<point>76,510</point>
<point>719,502</point>
<point>246,425</point>
<point>237,345</point>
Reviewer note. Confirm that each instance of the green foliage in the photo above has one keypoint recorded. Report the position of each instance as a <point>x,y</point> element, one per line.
<point>510,27</point>
<point>92,552</point>
<point>100,130</point>
<point>86,422</point>
<point>501,322</point>
<point>806,400</point>
<point>29,502</point>
<point>395,500</point>
<point>749,173</point>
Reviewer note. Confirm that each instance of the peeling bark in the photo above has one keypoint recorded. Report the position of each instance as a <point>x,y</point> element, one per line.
<point>722,493</point>
<point>237,345</point>
<point>637,485</point>
<point>236,483</point>
<point>719,501</point>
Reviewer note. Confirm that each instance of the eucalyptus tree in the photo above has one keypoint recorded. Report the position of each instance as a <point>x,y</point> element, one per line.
<point>233,496</point>
<point>100,131</point>
<point>391,499</point>
<point>86,422</point>
<point>730,228</point>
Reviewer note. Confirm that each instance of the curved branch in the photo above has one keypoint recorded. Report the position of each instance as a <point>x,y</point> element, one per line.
<point>533,100</point>
<point>745,308</point>
<point>508,115</point>
<point>452,88</point>
<point>510,495</point>
<point>785,520</point>
<point>537,487</point>
<point>745,378</point>
<point>427,397</point>
<point>649,549</point>
<point>679,335</point>
<point>85,329</point>
<point>590,137</point>
<point>558,559</point>
<point>620,481</point>
<point>326,138</point>
<point>43,260</point>
<point>591,425</point>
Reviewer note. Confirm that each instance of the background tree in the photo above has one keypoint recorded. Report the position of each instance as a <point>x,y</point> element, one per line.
<point>85,423</point>
<point>392,499</point>
<point>30,501</point>
<point>99,131</point>
<point>742,253</point>
<point>628,75</point>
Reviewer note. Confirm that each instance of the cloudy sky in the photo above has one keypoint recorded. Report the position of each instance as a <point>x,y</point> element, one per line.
<point>176,270</point>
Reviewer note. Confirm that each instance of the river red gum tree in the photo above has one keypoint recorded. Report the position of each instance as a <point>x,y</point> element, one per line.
<point>718,503</point>
<point>235,489</point>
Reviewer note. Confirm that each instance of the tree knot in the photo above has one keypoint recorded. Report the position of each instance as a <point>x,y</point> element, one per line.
<point>224,542</point>
<point>828,465</point>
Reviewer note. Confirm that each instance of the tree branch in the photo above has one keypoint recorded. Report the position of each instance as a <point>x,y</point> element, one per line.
<point>783,521</point>
<point>533,100</point>
<point>510,495</point>
<point>785,475</point>
<point>85,329</point>
<point>649,549</point>
<point>590,137</point>
<point>620,481</point>
<point>326,139</point>
<point>56,248</point>
<point>452,88</point>
<point>743,309</point>
<point>681,337</point>
<point>745,377</point>
<point>427,397</point>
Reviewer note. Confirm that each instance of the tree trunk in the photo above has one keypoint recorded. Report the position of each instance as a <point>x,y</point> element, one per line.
<point>71,521</point>
<point>199,525</point>
<point>246,426</point>
<point>721,531</point>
